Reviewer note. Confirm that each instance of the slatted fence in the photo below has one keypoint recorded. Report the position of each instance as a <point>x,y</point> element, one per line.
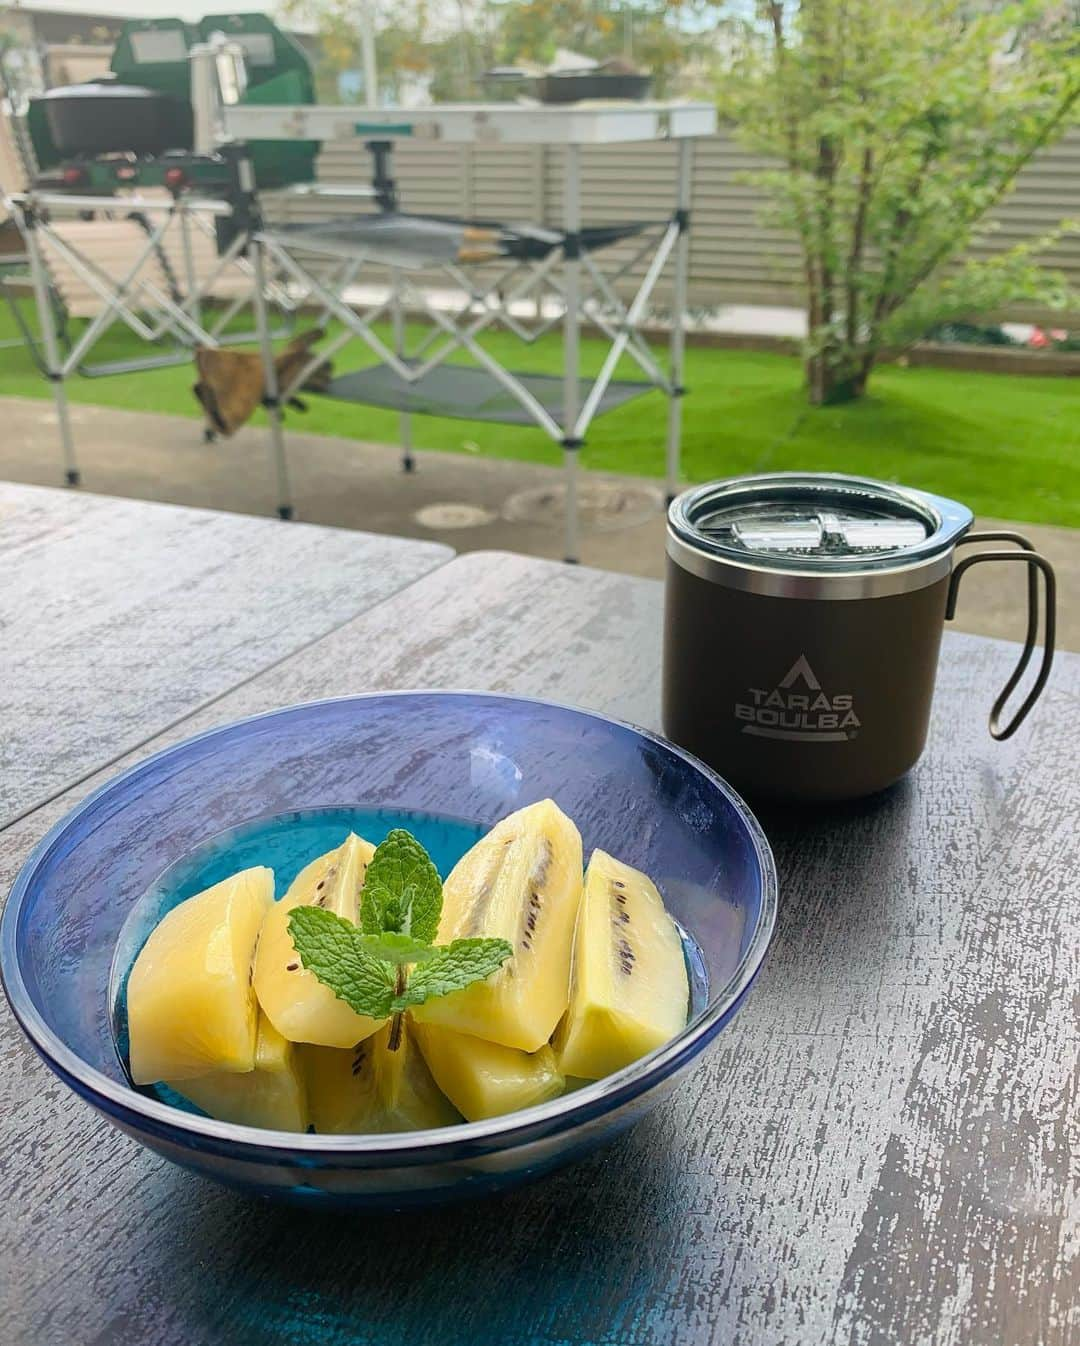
<point>733,259</point>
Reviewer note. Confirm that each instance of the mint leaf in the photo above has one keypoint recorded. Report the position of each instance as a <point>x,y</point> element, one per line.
<point>402,890</point>
<point>399,916</point>
<point>333,949</point>
<point>398,949</point>
<point>455,966</point>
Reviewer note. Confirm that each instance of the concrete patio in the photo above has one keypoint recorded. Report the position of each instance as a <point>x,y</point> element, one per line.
<point>469,503</point>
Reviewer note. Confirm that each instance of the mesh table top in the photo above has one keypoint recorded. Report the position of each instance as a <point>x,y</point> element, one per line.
<point>470,394</point>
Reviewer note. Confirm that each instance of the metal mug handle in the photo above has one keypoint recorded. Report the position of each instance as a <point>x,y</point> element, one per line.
<point>1035,564</point>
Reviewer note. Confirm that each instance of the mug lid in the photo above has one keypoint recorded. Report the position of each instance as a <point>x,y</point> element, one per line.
<point>817,522</point>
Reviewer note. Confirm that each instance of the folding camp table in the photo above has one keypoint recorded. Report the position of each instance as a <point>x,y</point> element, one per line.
<point>562,261</point>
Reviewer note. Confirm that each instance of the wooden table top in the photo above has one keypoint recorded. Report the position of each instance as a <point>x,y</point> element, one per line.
<point>118,617</point>
<point>881,1148</point>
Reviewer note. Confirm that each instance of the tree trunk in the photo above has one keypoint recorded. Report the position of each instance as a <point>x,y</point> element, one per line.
<point>832,379</point>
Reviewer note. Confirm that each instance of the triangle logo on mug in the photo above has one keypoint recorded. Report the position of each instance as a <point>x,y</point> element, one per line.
<point>801,669</point>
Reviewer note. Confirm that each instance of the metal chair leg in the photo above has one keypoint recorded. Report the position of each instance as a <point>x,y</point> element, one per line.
<point>270,384</point>
<point>55,368</point>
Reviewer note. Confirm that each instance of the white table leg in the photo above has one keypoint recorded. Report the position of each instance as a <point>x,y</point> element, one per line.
<point>571,339</point>
<point>40,281</point>
<point>408,462</point>
<point>678,318</point>
<point>270,382</point>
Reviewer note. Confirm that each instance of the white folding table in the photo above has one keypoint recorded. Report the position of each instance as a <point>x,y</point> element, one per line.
<point>420,381</point>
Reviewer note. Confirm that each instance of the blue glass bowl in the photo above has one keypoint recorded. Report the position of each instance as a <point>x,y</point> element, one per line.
<point>447,763</point>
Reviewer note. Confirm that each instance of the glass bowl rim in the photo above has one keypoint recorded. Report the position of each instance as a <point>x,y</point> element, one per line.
<point>613,1089</point>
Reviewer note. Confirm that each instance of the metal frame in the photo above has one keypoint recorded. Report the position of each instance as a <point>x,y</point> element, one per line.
<point>282,272</point>
<point>678,308</point>
<point>468,123</point>
<point>571,280</point>
<point>27,339</point>
<point>570,273</point>
<point>134,299</point>
<point>43,300</point>
<point>120,296</point>
<point>166,316</point>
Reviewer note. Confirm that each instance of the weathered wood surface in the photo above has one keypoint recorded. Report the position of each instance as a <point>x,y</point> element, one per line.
<point>881,1149</point>
<point>118,617</point>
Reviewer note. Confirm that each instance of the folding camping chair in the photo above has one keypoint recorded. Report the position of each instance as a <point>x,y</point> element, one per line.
<point>87,261</point>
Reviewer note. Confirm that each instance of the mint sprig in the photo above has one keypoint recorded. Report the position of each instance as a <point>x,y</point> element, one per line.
<point>390,962</point>
<point>402,890</point>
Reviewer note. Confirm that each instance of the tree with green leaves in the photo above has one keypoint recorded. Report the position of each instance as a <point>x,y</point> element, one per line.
<point>448,45</point>
<point>660,37</point>
<point>895,126</point>
<point>451,42</point>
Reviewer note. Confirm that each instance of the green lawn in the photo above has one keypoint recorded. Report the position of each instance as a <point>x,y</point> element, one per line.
<point>1007,445</point>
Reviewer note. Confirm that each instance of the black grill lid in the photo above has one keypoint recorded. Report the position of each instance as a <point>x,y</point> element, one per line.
<point>821,521</point>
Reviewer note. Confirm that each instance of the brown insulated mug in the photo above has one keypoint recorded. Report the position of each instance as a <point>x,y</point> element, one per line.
<point>803,618</point>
